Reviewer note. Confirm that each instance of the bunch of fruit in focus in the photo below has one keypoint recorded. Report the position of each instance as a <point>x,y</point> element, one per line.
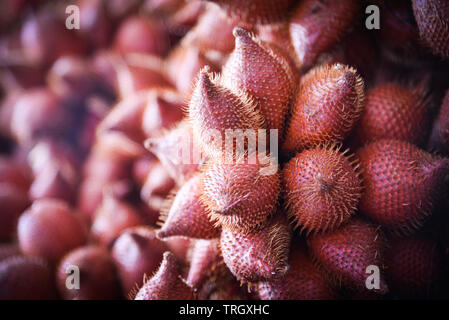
<point>347,198</point>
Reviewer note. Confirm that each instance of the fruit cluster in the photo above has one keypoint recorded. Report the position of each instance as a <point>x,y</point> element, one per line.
<point>224,149</point>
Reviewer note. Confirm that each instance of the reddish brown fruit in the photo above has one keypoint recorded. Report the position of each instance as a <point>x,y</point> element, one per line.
<point>399,36</point>
<point>45,38</point>
<point>13,172</point>
<point>185,214</point>
<point>393,111</point>
<point>183,65</point>
<point>177,152</point>
<point>303,281</point>
<point>95,25</point>
<point>205,257</point>
<point>259,254</point>
<point>49,229</point>
<point>322,189</point>
<point>328,104</point>
<point>13,201</point>
<point>112,218</point>
<point>316,26</point>
<point>257,11</point>
<point>118,133</point>
<point>180,246</point>
<point>25,278</point>
<point>432,19</point>
<point>166,283</point>
<point>214,108</point>
<point>141,167</point>
<point>401,183</point>
<point>239,195</point>
<point>414,265</point>
<point>346,253</point>
<point>9,250</point>
<point>212,32</point>
<point>140,34</point>
<point>33,110</point>
<point>98,277</point>
<point>157,186</point>
<point>136,253</point>
<point>278,34</point>
<point>52,183</point>
<point>443,120</point>
<point>162,111</point>
<point>260,70</point>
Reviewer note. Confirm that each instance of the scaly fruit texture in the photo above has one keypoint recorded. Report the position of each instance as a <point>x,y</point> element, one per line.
<point>239,195</point>
<point>432,18</point>
<point>214,107</point>
<point>322,188</point>
<point>316,26</point>
<point>257,11</point>
<point>327,105</point>
<point>393,111</point>
<point>259,69</point>
<point>303,280</point>
<point>166,283</point>
<point>346,252</point>
<point>186,215</point>
<point>401,183</point>
<point>414,265</point>
<point>259,254</point>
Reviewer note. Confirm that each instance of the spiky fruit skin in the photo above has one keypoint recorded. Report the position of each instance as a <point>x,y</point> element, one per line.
<point>26,278</point>
<point>187,215</point>
<point>316,26</point>
<point>393,111</point>
<point>414,265</point>
<point>303,281</point>
<point>256,68</point>
<point>166,283</point>
<point>346,252</point>
<point>327,105</point>
<point>432,19</point>
<point>205,256</point>
<point>443,120</point>
<point>98,280</point>
<point>137,253</point>
<point>238,195</point>
<point>214,107</point>
<point>322,189</point>
<point>260,254</point>
<point>256,11</point>
<point>401,183</point>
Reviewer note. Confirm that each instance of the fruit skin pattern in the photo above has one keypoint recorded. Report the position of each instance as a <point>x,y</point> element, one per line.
<point>402,183</point>
<point>225,150</point>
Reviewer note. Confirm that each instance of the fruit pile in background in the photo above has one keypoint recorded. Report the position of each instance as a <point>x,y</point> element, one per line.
<point>91,121</point>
